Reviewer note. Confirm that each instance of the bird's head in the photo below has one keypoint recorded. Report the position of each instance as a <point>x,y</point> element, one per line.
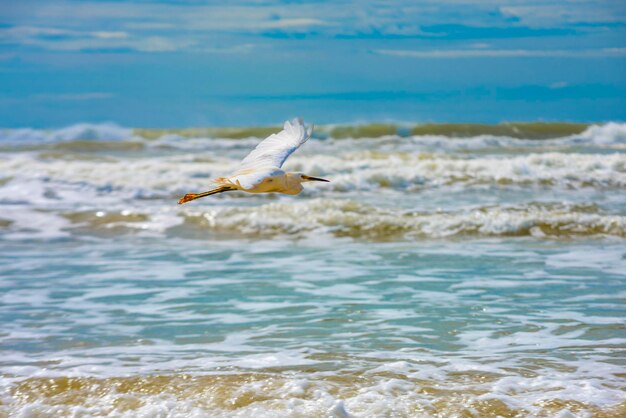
<point>304,178</point>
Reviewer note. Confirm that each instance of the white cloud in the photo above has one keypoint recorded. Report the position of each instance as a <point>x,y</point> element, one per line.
<point>162,27</point>
<point>86,96</point>
<point>159,44</point>
<point>289,23</point>
<point>559,85</point>
<point>477,53</point>
<point>210,17</point>
<point>234,49</point>
<point>616,51</point>
<point>110,35</point>
<point>565,12</point>
<point>26,32</point>
<point>67,97</point>
<point>71,40</point>
<point>149,25</point>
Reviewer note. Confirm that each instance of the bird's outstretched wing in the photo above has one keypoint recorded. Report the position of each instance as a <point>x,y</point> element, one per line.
<point>274,150</point>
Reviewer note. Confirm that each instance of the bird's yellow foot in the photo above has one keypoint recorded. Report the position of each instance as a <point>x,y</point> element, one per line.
<point>186,198</point>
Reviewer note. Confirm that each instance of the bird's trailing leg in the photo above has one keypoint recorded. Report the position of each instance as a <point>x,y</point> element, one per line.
<point>193,196</point>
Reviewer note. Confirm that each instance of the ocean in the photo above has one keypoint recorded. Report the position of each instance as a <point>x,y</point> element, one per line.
<point>445,271</point>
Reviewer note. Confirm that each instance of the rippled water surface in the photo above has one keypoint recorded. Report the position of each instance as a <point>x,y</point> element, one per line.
<point>434,276</point>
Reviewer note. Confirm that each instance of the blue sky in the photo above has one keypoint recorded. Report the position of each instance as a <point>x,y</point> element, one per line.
<point>199,63</point>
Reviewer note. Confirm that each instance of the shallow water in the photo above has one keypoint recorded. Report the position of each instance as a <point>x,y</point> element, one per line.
<point>432,277</point>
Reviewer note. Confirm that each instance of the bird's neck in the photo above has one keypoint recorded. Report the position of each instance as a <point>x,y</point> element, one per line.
<point>293,177</point>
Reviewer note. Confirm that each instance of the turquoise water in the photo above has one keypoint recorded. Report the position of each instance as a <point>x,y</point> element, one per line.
<point>431,277</point>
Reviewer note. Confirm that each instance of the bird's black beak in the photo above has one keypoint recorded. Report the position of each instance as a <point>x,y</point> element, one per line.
<point>309,178</point>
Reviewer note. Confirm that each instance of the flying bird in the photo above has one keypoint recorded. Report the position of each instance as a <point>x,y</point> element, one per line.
<point>260,171</point>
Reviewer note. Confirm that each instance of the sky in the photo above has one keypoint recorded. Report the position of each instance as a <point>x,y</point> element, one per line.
<point>157,63</point>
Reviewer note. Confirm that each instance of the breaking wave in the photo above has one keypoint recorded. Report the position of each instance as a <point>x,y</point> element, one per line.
<point>351,219</point>
<point>81,131</point>
<point>352,171</point>
<point>414,171</point>
<point>339,218</point>
<point>611,132</point>
<point>105,179</point>
<point>534,131</point>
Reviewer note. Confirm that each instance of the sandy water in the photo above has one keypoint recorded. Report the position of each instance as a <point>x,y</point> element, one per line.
<point>433,276</point>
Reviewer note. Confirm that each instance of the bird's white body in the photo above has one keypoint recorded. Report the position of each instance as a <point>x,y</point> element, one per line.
<point>260,171</point>
<point>271,180</point>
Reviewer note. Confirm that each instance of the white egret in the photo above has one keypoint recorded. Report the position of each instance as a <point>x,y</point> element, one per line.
<point>260,171</point>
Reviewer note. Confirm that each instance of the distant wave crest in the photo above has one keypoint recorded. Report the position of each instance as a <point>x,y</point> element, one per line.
<point>608,133</point>
<point>81,131</point>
